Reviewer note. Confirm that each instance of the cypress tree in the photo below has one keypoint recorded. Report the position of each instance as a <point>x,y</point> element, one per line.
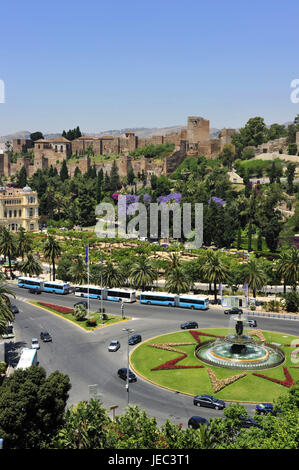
<point>64,174</point>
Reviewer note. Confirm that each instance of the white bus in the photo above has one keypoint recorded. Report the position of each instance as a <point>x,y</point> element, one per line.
<point>115,294</point>
<point>28,358</point>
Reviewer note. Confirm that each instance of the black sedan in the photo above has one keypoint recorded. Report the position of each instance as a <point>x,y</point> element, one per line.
<point>45,337</point>
<point>195,421</point>
<point>233,310</point>
<point>189,324</point>
<point>208,401</point>
<point>122,373</point>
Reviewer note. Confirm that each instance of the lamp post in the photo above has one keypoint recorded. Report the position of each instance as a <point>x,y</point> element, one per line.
<point>122,308</point>
<point>129,331</point>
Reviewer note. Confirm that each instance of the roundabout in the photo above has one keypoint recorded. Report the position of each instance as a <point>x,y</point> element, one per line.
<point>188,362</point>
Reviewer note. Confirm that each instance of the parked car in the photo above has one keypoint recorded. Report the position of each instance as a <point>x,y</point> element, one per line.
<point>14,309</point>
<point>135,339</point>
<point>8,333</point>
<point>35,291</point>
<point>122,373</point>
<point>266,408</point>
<point>233,310</point>
<point>35,343</point>
<point>208,401</point>
<point>215,302</point>
<point>114,346</point>
<point>83,302</point>
<point>45,336</point>
<point>189,324</point>
<point>252,323</point>
<point>195,421</point>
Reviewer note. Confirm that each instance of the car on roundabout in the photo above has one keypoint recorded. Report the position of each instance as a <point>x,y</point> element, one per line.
<point>45,337</point>
<point>122,373</point>
<point>266,409</point>
<point>195,422</point>
<point>233,311</point>
<point>208,401</point>
<point>189,325</point>
<point>114,346</point>
<point>134,339</point>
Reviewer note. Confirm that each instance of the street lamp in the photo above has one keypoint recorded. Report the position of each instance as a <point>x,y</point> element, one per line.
<point>129,331</point>
<point>122,308</point>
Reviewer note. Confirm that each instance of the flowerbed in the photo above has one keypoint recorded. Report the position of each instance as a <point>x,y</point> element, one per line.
<point>58,308</point>
<point>288,382</point>
<point>219,384</point>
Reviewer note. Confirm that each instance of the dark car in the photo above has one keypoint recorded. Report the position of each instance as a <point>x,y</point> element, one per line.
<point>14,309</point>
<point>215,302</point>
<point>122,373</point>
<point>45,336</point>
<point>233,310</point>
<point>248,422</point>
<point>208,401</point>
<point>266,408</point>
<point>35,291</point>
<point>195,421</point>
<point>83,302</point>
<point>189,324</point>
<point>135,339</point>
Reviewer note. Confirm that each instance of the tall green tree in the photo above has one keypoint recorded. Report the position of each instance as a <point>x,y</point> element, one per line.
<point>64,174</point>
<point>31,266</point>
<point>214,269</point>
<point>23,243</point>
<point>254,275</point>
<point>52,250</point>
<point>142,273</point>
<point>8,246</point>
<point>32,407</point>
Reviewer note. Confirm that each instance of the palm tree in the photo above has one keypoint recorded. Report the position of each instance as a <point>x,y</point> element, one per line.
<point>6,314</point>
<point>112,275</point>
<point>51,251</point>
<point>31,266</point>
<point>214,269</point>
<point>288,267</point>
<point>254,275</point>
<point>23,243</point>
<point>7,246</point>
<point>174,261</point>
<point>142,273</point>
<point>177,280</point>
<point>78,271</point>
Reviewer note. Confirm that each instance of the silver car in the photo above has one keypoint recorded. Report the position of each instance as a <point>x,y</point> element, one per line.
<point>114,346</point>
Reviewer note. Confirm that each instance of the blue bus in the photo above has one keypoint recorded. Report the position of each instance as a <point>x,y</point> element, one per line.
<point>158,298</point>
<point>116,295</point>
<point>56,287</point>
<point>44,286</point>
<point>30,283</point>
<point>193,302</point>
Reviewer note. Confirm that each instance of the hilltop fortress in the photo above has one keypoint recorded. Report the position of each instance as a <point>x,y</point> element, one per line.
<point>40,154</point>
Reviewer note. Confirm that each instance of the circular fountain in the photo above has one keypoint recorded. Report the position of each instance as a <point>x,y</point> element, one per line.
<point>239,351</point>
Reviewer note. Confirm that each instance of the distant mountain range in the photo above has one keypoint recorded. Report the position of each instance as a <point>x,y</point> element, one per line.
<point>143,132</point>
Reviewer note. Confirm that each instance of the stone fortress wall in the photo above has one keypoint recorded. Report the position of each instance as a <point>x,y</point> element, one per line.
<point>189,141</point>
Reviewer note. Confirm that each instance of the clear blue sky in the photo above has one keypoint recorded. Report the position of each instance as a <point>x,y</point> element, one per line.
<point>139,63</point>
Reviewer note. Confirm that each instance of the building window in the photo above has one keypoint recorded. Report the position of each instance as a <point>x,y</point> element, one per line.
<point>61,148</point>
<point>20,212</point>
<point>5,213</point>
<point>10,213</point>
<point>31,227</point>
<point>12,226</point>
<point>30,212</point>
<point>15,213</point>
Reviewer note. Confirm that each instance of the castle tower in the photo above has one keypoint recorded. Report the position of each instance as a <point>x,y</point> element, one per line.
<point>198,135</point>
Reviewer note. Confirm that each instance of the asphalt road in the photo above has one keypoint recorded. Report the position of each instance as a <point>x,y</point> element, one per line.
<point>85,358</point>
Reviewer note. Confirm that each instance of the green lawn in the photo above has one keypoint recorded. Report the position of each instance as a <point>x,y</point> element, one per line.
<point>196,381</point>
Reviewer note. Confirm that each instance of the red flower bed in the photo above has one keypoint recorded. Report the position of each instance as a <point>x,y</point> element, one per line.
<point>288,382</point>
<point>58,308</point>
<point>196,335</point>
<point>172,364</point>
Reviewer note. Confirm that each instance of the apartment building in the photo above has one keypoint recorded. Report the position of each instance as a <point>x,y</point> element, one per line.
<point>19,208</point>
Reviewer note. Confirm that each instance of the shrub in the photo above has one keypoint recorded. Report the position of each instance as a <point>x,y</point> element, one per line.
<point>91,322</point>
<point>80,312</point>
<point>3,367</point>
<point>291,301</point>
<point>273,306</point>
